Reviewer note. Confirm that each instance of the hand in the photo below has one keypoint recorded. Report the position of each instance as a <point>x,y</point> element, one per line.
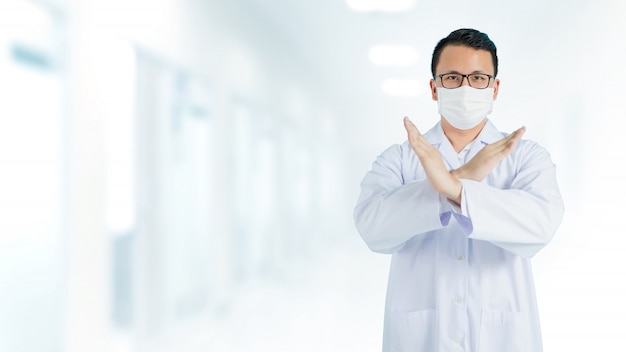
<point>436,172</point>
<point>482,163</point>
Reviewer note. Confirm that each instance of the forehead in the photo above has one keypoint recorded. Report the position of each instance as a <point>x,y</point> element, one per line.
<point>464,59</point>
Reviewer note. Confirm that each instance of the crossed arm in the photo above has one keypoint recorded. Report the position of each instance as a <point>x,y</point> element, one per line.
<point>447,183</point>
<point>389,211</point>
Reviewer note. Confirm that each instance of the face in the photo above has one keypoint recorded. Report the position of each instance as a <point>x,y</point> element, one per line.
<point>464,60</point>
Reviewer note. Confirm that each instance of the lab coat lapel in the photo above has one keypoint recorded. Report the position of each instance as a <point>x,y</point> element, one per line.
<point>438,139</point>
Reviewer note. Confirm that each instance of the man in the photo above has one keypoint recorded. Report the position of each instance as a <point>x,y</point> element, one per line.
<point>462,208</point>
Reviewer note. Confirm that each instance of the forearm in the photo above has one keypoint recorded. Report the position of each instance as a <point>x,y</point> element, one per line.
<point>386,220</point>
<point>522,221</point>
<point>455,192</point>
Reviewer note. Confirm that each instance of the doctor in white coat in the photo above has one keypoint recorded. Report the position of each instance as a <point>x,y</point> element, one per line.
<point>462,209</point>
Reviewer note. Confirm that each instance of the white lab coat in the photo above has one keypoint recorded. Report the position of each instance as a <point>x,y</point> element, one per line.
<point>460,276</point>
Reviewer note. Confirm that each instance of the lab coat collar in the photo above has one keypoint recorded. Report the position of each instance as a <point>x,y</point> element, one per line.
<point>438,139</point>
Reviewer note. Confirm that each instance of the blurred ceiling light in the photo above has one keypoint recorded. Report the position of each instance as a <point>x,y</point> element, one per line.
<point>402,87</point>
<point>393,55</point>
<point>381,5</point>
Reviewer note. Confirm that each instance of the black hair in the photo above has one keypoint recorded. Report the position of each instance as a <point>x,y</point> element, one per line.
<point>466,37</point>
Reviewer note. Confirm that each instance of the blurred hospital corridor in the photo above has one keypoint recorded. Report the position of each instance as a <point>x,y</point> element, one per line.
<point>180,175</point>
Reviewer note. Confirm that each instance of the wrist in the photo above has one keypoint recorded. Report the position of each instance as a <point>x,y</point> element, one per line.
<point>456,192</point>
<point>458,173</point>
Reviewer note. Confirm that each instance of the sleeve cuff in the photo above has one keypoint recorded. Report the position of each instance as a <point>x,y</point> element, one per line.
<point>461,212</point>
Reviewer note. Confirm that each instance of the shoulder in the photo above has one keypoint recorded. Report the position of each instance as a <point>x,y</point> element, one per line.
<point>531,148</point>
<point>529,152</point>
<point>397,152</point>
<point>525,150</point>
<point>397,159</point>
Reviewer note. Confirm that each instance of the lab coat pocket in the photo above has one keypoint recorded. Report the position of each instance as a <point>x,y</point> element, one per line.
<point>502,331</point>
<point>413,331</point>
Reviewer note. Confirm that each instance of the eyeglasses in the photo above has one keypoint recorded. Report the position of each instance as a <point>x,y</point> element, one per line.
<point>475,80</point>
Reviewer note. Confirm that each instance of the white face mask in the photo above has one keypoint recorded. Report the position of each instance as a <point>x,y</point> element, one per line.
<point>464,107</point>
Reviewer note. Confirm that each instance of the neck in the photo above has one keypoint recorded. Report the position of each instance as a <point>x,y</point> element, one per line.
<point>461,138</point>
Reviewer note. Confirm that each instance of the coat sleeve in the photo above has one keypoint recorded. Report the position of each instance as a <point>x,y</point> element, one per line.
<point>522,218</point>
<point>389,211</point>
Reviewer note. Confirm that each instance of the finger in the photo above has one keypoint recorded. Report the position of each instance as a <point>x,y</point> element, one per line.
<point>412,132</point>
<point>513,139</point>
<point>517,134</point>
<point>410,127</point>
<point>416,139</point>
<point>520,131</point>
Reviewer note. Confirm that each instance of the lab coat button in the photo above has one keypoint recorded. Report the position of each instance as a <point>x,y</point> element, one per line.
<point>458,299</point>
<point>460,257</point>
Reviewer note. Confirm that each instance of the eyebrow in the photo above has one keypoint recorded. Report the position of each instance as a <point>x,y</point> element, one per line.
<point>471,73</point>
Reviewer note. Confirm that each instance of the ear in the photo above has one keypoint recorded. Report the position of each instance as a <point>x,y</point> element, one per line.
<point>433,89</point>
<point>496,88</point>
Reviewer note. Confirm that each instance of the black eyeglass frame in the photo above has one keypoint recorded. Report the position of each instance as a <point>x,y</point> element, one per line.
<point>467,77</point>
